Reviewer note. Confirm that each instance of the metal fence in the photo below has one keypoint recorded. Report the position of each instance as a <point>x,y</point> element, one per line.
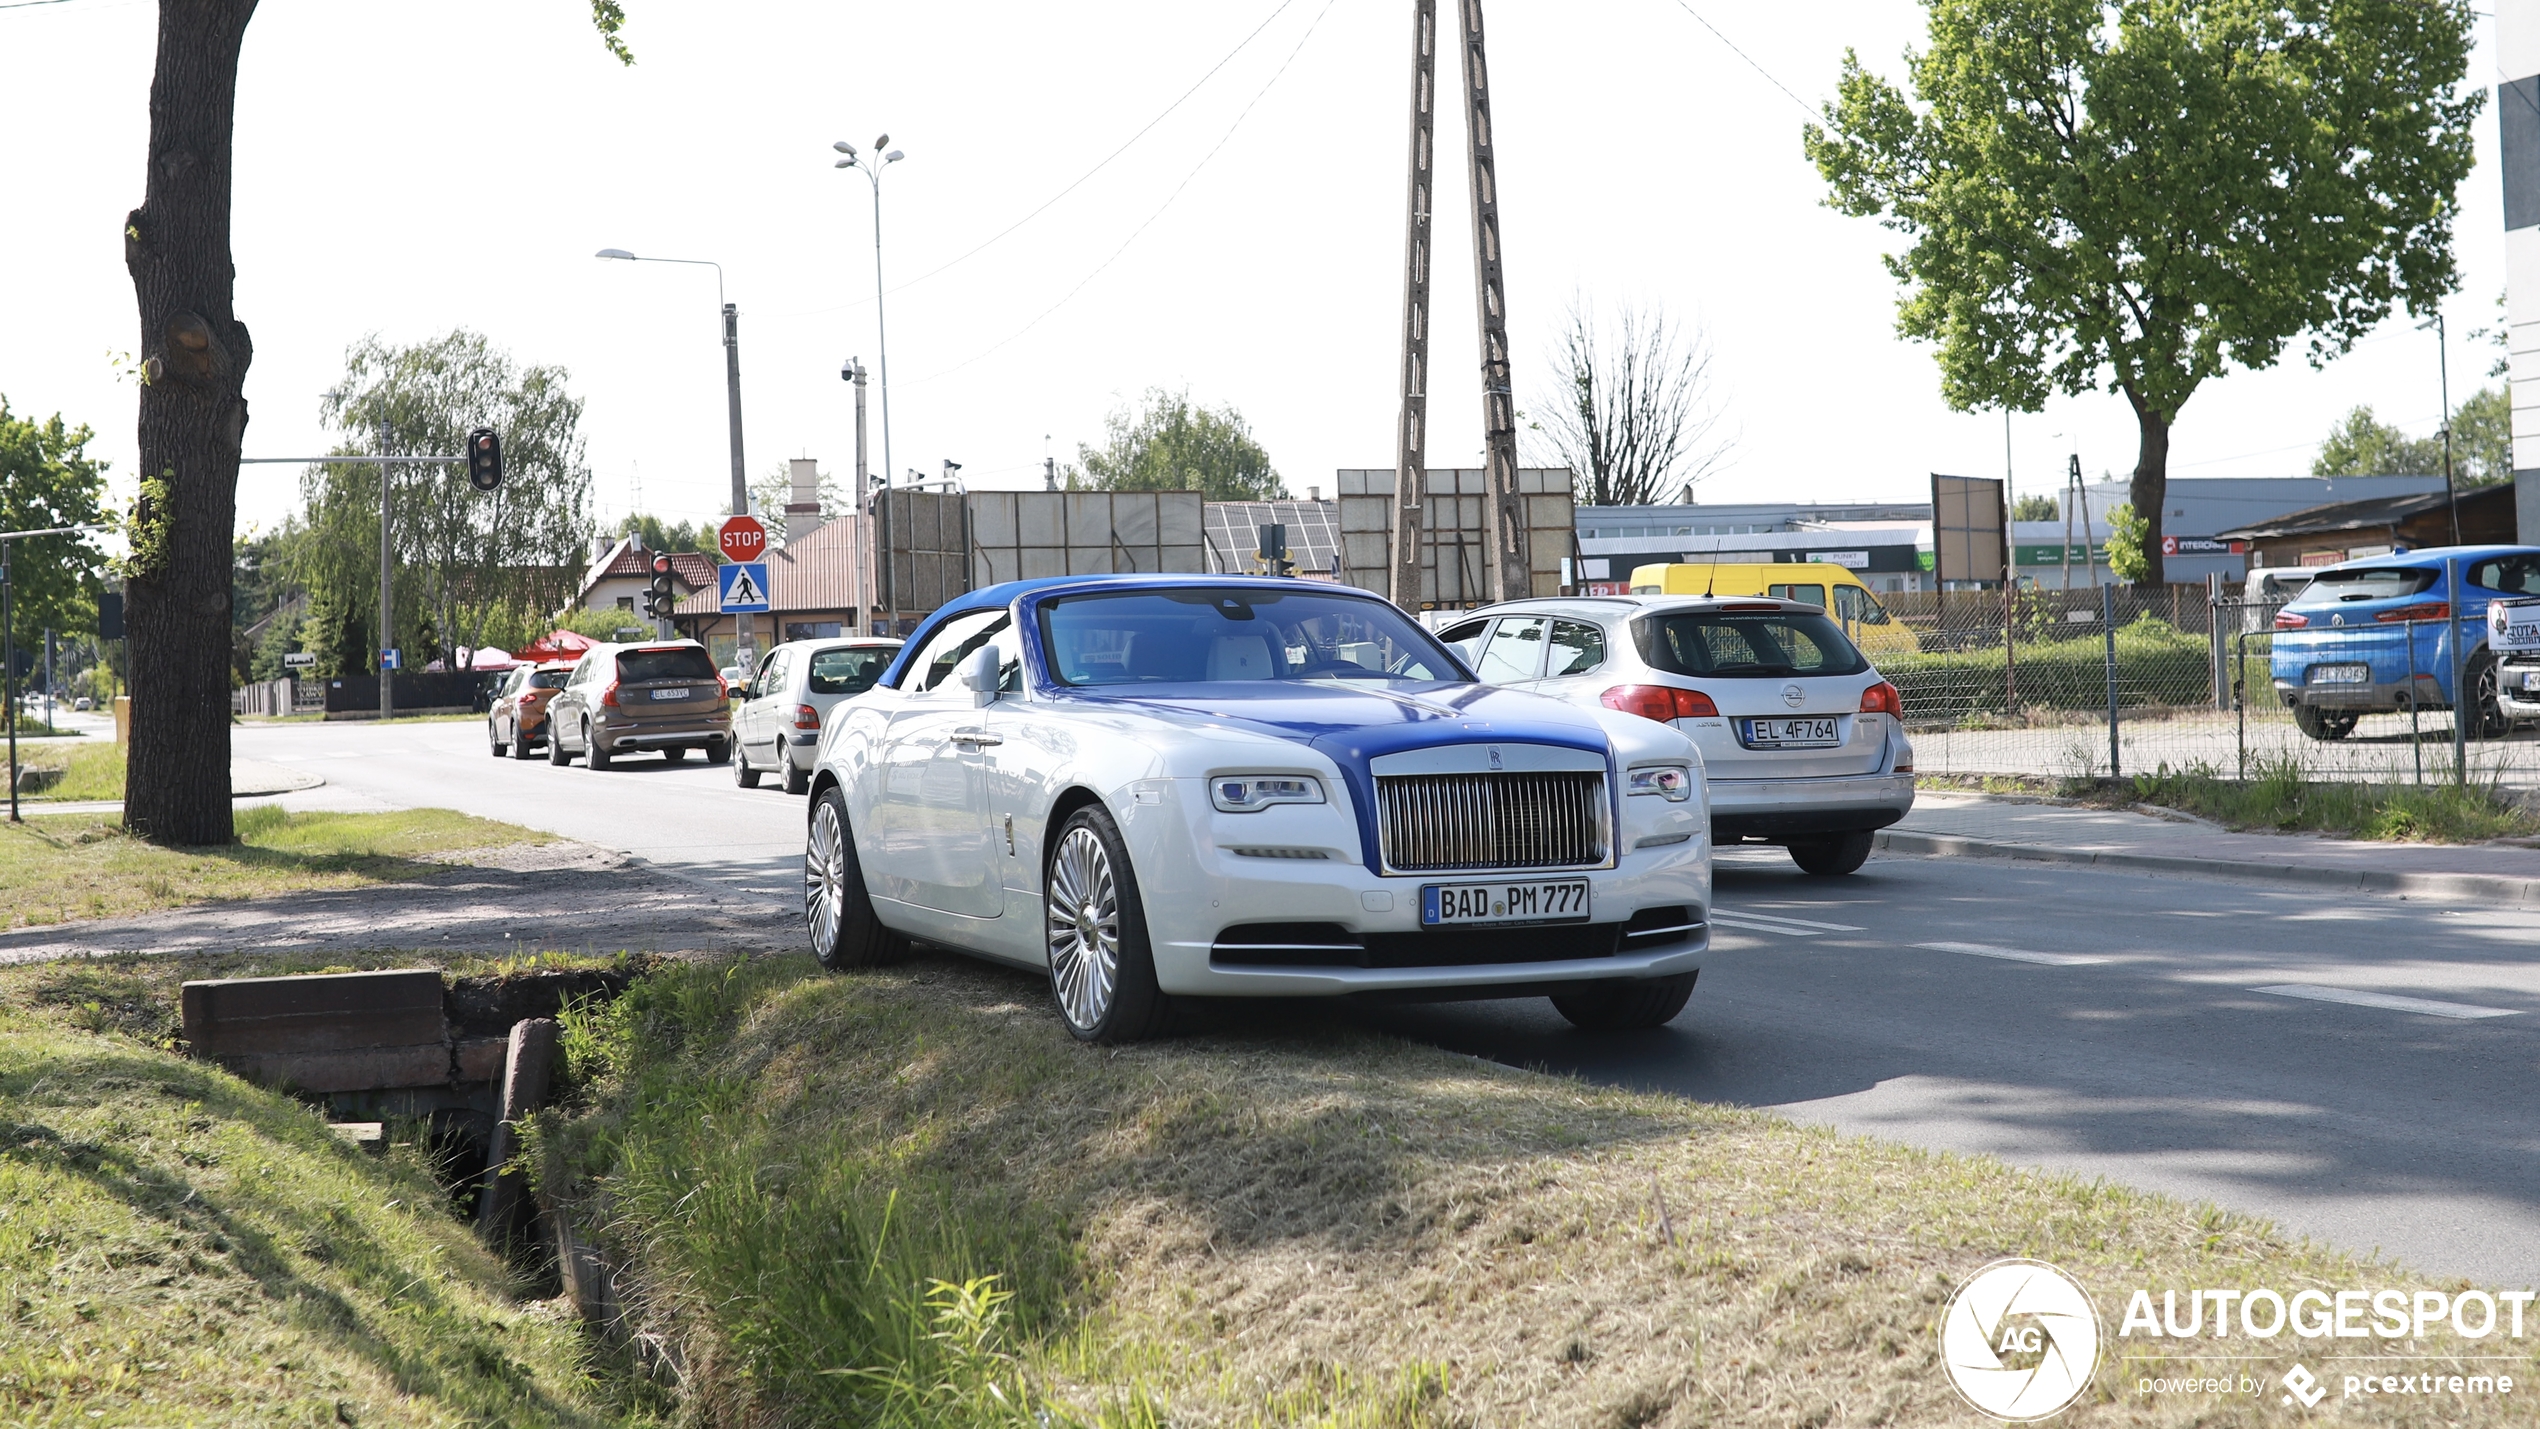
<point>2119,681</point>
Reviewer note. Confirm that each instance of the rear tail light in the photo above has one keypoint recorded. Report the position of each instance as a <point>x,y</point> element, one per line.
<point>1882,698</point>
<point>608,694</point>
<point>2287,620</point>
<point>1659,702</point>
<point>2422,610</point>
<point>805,717</point>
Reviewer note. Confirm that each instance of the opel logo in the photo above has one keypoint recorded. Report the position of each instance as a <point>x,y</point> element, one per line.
<point>1794,696</point>
<point>1494,756</point>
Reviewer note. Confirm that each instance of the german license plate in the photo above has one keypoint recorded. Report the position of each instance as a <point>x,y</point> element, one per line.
<point>670,694</point>
<point>1791,733</point>
<point>2341,674</point>
<point>1533,900</point>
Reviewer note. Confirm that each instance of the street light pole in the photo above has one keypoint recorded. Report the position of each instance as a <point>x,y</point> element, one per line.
<point>387,585</point>
<point>732,404</point>
<point>882,332</point>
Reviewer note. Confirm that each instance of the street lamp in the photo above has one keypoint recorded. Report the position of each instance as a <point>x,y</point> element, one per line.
<point>873,174</point>
<point>732,402</point>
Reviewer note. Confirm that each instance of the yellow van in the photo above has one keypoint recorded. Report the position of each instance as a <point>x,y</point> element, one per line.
<point>1863,618</point>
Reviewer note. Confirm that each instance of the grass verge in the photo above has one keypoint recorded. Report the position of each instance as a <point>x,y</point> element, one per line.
<point>906,1197</point>
<point>178,1247</point>
<point>64,866</point>
<point>88,771</point>
<point>2283,798</point>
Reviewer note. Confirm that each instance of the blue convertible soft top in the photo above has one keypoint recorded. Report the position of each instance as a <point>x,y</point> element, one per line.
<point>1005,593</point>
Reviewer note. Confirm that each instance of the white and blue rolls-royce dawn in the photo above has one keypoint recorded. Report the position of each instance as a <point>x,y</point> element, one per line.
<point>1209,786</point>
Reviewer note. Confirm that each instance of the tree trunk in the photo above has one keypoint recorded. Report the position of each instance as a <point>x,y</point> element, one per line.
<point>2150,490</point>
<point>193,415</point>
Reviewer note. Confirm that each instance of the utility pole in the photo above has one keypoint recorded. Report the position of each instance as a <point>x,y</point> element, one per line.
<point>855,373</point>
<point>1504,511</point>
<point>387,583</point>
<point>2443,365</point>
<point>741,650</point>
<point>1410,473</point>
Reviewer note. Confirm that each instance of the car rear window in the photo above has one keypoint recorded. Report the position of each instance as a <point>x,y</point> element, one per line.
<point>550,679</point>
<point>687,662</point>
<point>2366,583</point>
<point>847,672</point>
<point>1742,645</point>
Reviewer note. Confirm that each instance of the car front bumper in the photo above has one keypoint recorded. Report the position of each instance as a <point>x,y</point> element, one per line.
<point>1196,889</point>
<point>1797,808</point>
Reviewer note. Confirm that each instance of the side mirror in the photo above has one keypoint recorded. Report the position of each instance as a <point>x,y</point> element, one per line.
<point>983,672</point>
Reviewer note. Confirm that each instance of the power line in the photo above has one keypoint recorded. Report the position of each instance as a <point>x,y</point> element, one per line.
<point>1750,59</point>
<point>1152,217</point>
<point>1080,179</point>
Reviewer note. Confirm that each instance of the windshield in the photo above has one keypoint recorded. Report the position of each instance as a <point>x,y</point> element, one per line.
<point>1737,644</point>
<point>1180,636</point>
<point>850,671</point>
<point>2366,583</point>
<point>686,662</point>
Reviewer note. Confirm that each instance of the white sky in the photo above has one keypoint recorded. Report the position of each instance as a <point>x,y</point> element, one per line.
<point>404,170</point>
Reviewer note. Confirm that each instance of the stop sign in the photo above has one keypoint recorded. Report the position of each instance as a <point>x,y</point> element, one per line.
<point>743,538</point>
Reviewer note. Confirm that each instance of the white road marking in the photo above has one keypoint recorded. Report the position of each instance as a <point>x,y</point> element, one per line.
<point>2464,1011</point>
<point>2015,955</point>
<point>1765,923</point>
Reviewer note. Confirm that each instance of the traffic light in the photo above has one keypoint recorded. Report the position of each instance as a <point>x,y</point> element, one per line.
<point>1273,551</point>
<point>110,615</point>
<point>484,459</point>
<point>662,601</point>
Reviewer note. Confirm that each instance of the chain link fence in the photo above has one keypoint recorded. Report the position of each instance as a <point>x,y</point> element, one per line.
<point>2119,680</point>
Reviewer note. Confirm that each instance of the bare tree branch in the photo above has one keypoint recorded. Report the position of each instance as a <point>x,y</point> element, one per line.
<point>1631,412</point>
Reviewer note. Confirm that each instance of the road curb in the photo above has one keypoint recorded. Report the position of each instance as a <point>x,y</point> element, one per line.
<point>2475,887</point>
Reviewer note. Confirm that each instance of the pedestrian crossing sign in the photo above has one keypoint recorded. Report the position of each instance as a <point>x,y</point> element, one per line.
<point>743,585</point>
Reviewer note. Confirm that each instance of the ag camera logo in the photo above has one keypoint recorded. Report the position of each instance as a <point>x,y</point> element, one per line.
<point>2020,1340</point>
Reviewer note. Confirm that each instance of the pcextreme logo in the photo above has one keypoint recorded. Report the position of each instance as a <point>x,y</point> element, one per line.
<point>2020,1340</point>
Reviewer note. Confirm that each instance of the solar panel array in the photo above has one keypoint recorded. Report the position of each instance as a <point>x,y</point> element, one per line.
<point>1313,528</point>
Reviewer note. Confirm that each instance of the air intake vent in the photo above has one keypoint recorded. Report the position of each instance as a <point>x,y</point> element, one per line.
<point>1449,822</point>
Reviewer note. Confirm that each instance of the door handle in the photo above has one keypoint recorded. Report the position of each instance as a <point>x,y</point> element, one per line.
<point>976,737</point>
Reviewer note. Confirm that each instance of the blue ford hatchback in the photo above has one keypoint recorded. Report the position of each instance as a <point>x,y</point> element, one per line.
<point>2372,635</point>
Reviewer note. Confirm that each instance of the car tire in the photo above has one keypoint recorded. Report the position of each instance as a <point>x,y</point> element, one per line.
<point>494,737</point>
<point>520,746</point>
<point>718,750</point>
<point>1832,856</point>
<point>742,774</point>
<point>2323,724</point>
<point>797,778</point>
<point>593,755</point>
<point>557,754</point>
<point>1102,968</point>
<point>1626,1006</point>
<point>674,753</point>
<point>845,933</point>
<point>2491,721</point>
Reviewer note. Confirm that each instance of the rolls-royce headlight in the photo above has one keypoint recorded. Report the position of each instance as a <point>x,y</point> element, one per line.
<point>1674,782</point>
<point>1251,793</point>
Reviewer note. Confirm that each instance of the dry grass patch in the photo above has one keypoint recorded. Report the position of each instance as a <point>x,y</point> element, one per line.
<point>57,868</point>
<point>822,1182</point>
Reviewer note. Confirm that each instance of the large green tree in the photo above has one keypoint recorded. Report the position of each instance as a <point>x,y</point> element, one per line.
<point>2361,444</point>
<point>47,479</point>
<point>2139,194</point>
<point>1172,444</point>
<point>194,354</point>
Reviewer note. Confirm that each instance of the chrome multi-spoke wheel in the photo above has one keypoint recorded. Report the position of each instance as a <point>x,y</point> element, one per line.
<point>1082,908</point>
<point>825,879</point>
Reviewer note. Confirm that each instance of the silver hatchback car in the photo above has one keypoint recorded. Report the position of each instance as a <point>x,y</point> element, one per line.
<point>1803,743</point>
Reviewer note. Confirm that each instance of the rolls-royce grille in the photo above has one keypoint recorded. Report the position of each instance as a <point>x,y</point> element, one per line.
<point>1437,822</point>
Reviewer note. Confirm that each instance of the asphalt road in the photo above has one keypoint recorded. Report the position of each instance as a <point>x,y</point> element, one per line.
<point>2177,1034</point>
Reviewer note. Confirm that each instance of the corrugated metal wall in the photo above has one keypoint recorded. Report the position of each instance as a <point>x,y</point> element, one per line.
<point>1020,535</point>
<point>1454,562</point>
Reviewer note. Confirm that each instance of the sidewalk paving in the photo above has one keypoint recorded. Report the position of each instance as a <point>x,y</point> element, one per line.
<point>1986,826</point>
<point>248,779</point>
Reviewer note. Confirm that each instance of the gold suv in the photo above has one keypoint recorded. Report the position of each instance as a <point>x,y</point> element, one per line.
<point>660,695</point>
